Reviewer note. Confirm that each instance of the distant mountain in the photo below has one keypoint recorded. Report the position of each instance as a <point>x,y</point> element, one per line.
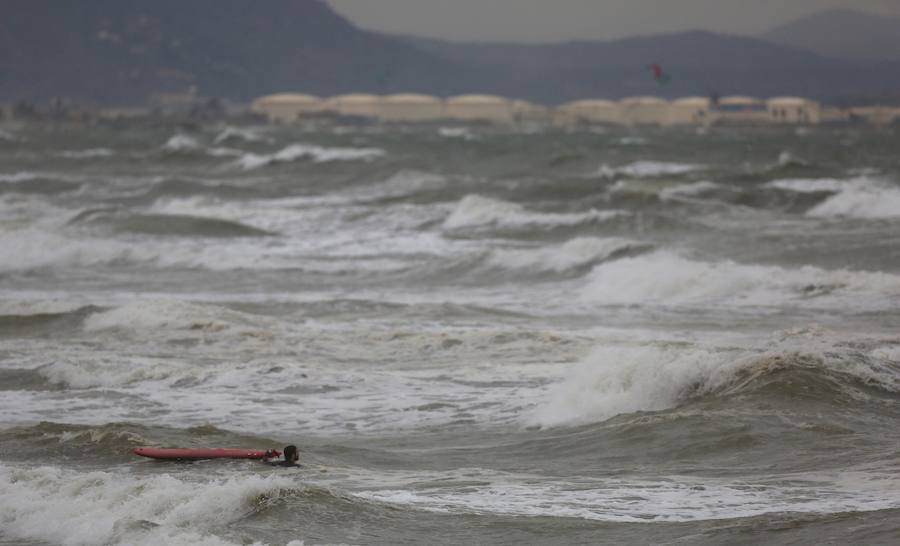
<point>843,34</point>
<point>699,63</point>
<point>120,51</point>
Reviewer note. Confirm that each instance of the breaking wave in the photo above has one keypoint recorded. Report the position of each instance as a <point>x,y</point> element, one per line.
<point>239,134</point>
<point>693,189</point>
<point>477,211</point>
<point>67,439</point>
<point>809,185</point>
<point>615,380</point>
<point>35,183</point>
<point>91,153</point>
<point>170,224</point>
<point>648,169</point>
<point>181,144</point>
<point>678,499</point>
<point>318,154</point>
<point>575,254</point>
<point>665,278</point>
<point>119,508</point>
<point>864,200</point>
<point>406,183</point>
<point>171,315</point>
<point>861,197</point>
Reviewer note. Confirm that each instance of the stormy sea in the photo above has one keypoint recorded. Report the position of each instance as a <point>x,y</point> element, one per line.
<point>474,335</point>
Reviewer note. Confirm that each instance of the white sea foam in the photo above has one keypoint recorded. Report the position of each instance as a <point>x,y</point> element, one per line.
<point>91,153</point>
<point>224,152</point>
<point>403,183</point>
<point>247,213</point>
<point>626,379</point>
<point>182,143</point>
<point>243,134</point>
<point>629,141</point>
<point>456,132</point>
<point>810,185</point>
<point>22,176</point>
<point>572,254</point>
<point>476,211</point>
<point>43,248</point>
<point>859,197</point>
<point>675,499</point>
<point>864,200</point>
<point>318,154</point>
<point>648,169</point>
<point>634,376</point>
<point>171,315</point>
<point>36,248</point>
<point>688,190</point>
<point>665,278</point>
<point>787,159</point>
<point>117,508</point>
<point>30,307</point>
<point>890,352</point>
<point>243,378</point>
<point>107,373</point>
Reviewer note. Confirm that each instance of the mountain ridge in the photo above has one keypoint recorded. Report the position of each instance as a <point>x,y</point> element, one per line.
<point>845,34</point>
<point>122,51</point>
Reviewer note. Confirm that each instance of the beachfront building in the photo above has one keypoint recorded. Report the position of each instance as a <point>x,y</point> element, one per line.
<point>793,110</point>
<point>740,109</point>
<point>484,108</point>
<point>689,111</point>
<point>288,107</point>
<point>644,111</point>
<point>355,105</point>
<point>409,107</point>
<point>588,112</point>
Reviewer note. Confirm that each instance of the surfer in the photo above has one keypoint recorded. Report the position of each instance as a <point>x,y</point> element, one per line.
<point>291,456</point>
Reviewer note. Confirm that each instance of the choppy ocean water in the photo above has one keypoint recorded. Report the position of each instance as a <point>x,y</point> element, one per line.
<point>474,336</point>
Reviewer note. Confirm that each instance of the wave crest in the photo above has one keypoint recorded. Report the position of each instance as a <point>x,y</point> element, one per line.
<point>317,154</point>
<point>665,278</point>
<point>119,508</point>
<point>626,379</point>
<point>475,211</point>
<point>574,254</point>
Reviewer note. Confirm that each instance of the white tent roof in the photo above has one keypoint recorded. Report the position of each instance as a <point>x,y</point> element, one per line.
<point>789,101</point>
<point>643,100</point>
<point>739,99</point>
<point>355,98</point>
<point>691,101</point>
<point>287,98</point>
<point>411,98</point>
<point>590,103</point>
<point>477,99</point>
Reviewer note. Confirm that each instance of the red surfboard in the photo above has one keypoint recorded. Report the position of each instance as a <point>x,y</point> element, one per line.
<point>207,453</point>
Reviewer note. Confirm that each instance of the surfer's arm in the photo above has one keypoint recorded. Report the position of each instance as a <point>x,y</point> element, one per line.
<point>271,454</point>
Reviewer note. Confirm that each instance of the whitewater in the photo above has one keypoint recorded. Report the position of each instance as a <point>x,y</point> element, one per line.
<point>473,334</point>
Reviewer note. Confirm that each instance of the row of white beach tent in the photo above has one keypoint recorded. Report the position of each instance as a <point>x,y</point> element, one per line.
<point>408,107</point>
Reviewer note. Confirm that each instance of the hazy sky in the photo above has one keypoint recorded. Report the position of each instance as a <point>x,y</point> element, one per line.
<point>551,20</point>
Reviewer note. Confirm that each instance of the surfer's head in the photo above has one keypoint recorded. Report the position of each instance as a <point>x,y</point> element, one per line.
<point>290,454</point>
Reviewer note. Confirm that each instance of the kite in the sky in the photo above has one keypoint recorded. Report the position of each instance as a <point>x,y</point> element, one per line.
<point>660,75</point>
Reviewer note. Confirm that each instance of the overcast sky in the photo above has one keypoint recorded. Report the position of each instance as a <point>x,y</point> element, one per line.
<point>553,20</point>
